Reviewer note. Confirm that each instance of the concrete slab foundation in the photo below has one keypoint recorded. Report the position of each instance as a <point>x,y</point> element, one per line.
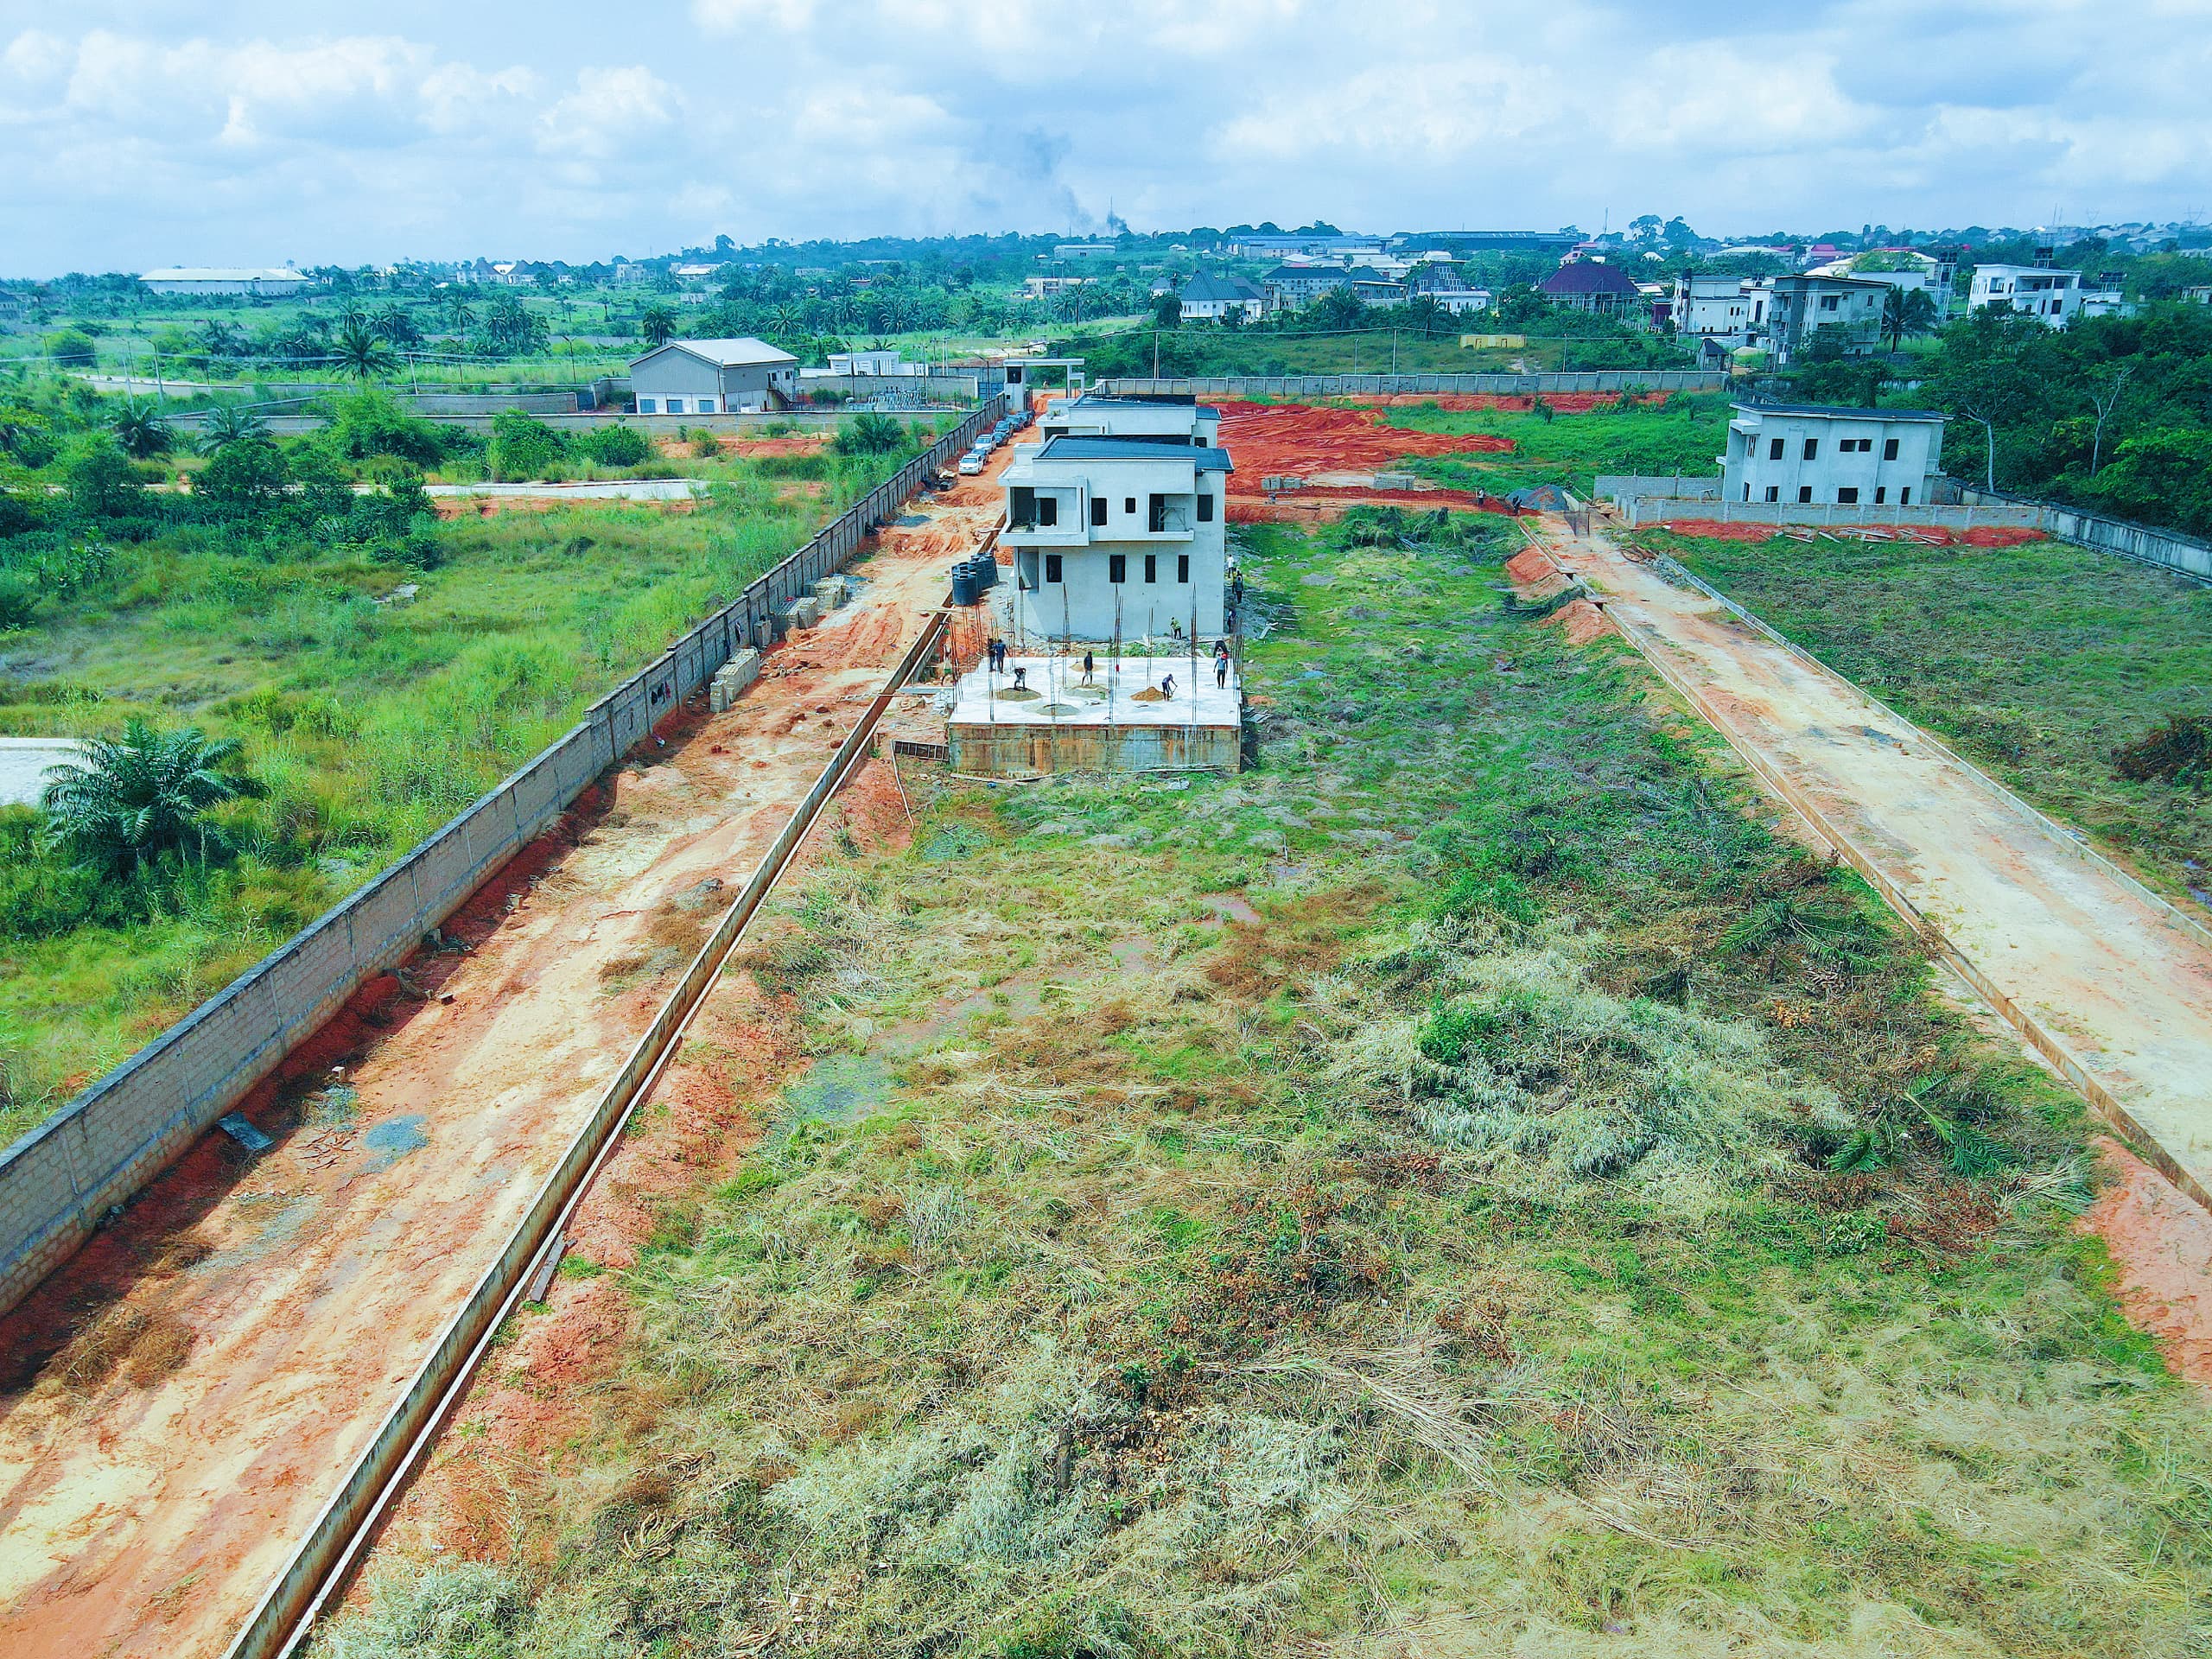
<point>1118,722</point>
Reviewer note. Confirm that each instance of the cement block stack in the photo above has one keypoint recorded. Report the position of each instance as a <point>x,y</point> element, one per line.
<point>732,678</point>
<point>832,591</point>
<point>803,613</point>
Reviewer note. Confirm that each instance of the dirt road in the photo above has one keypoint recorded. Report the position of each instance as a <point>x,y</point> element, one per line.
<point>239,1334</point>
<point>2117,981</point>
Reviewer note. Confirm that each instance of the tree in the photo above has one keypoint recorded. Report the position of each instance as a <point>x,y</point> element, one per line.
<point>219,338</point>
<point>141,432</point>
<point>100,482</point>
<point>658,324</point>
<point>72,349</point>
<point>1339,308</point>
<point>1425,313</point>
<point>870,435</point>
<point>395,325</point>
<point>1989,393</point>
<point>2104,397</point>
<point>229,424</point>
<point>246,480</point>
<point>458,310</point>
<point>1907,311</point>
<point>360,353</point>
<point>133,800</point>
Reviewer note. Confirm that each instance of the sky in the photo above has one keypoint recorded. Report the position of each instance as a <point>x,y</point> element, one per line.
<point>254,132</point>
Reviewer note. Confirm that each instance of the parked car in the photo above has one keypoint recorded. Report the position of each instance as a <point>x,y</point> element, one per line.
<point>970,464</point>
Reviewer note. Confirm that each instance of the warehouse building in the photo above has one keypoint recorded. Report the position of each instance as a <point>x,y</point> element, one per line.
<point>713,377</point>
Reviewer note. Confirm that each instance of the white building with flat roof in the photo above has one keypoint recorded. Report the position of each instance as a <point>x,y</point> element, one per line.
<point>1713,308</point>
<point>1812,454</point>
<point>2054,296</point>
<point>1124,536</point>
<point>1095,414</point>
<point>264,282</point>
<point>713,377</point>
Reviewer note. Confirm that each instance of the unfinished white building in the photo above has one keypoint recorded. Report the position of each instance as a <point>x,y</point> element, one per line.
<point>1171,418</point>
<point>1812,454</point>
<point>1117,536</point>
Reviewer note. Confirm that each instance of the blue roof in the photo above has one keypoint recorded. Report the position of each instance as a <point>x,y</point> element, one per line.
<point>1207,459</point>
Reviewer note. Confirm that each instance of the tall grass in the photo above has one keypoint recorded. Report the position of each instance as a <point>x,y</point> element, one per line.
<point>372,718</point>
<point>1461,1237</point>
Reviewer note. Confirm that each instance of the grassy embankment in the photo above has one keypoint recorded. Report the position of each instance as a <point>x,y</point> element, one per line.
<point>1221,351</point>
<point>1681,434</point>
<point>2037,662</point>
<point>370,718</point>
<point>1561,1206</point>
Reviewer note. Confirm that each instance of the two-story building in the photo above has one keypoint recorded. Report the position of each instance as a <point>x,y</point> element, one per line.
<point>1813,454</point>
<point>1210,297</point>
<point>1791,312</point>
<point>1117,535</point>
<point>2052,296</point>
<point>1290,287</point>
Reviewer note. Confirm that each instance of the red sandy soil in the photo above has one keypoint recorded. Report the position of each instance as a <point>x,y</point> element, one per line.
<point>293,1296</point>
<point>2160,1242</point>
<point>1566,403</point>
<point>1324,504</point>
<point>1303,438</point>
<point>1581,621</point>
<point>1990,536</point>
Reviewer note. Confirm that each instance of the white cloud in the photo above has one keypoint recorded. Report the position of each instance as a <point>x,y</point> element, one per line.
<point>137,133</point>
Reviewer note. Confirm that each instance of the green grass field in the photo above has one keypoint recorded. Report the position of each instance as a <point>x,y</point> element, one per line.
<point>1466,1167</point>
<point>2037,662</point>
<point>1681,434</point>
<point>369,717</point>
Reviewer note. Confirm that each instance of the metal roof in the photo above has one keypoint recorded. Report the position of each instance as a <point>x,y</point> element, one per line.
<point>1205,286</point>
<point>1206,458</point>
<point>724,353</point>
<point>1839,412</point>
<point>222,274</point>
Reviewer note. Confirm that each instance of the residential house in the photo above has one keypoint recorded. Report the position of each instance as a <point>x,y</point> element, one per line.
<point>1211,296</point>
<point>1377,291</point>
<point>1812,454</point>
<point>1038,287</point>
<point>1291,288</point>
<point>1592,285</point>
<point>1790,312</point>
<point>713,377</point>
<point>1462,301</point>
<point>262,282</point>
<point>2053,297</point>
<point>1713,308</point>
<point>1117,536</point>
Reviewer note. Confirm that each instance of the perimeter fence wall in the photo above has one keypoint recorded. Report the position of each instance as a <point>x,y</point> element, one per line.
<point>60,1180</point>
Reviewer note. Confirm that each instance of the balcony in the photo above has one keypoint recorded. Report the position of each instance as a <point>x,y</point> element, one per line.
<point>1044,518</point>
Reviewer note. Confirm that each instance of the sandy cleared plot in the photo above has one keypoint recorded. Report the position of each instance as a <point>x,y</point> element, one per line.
<point>233,1341</point>
<point>2118,980</point>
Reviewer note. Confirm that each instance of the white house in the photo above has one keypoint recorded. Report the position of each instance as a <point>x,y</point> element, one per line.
<point>1117,535</point>
<point>1208,296</point>
<point>263,282</point>
<point>1462,301</point>
<point>1169,418</point>
<point>713,377</point>
<point>1718,308</point>
<point>2041,291</point>
<point>1811,454</point>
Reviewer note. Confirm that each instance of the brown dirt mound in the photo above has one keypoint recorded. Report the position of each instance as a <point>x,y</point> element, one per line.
<point>2161,1247</point>
<point>1581,621</point>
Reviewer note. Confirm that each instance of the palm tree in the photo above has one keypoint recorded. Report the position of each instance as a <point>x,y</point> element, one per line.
<point>787,318</point>
<point>219,338</point>
<point>133,799</point>
<point>1427,312</point>
<point>142,434</point>
<point>657,325</point>
<point>229,424</point>
<point>395,326</point>
<point>458,308</point>
<point>360,353</point>
<point>1907,311</point>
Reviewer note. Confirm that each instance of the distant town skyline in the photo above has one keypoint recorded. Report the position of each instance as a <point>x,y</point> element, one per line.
<point>148,133</point>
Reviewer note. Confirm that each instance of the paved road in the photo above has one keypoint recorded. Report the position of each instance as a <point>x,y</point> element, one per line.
<point>2116,979</point>
<point>23,761</point>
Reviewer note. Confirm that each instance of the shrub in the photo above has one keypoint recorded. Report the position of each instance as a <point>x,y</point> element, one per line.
<point>2179,751</point>
<point>245,481</point>
<point>372,423</point>
<point>870,435</point>
<point>620,445</point>
<point>19,599</point>
<point>136,799</point>
<point>72,349</point>
<point>524,449</point>
<point>101,483</point>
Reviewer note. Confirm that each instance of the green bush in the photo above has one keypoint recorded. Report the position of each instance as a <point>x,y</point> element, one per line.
<point>72,349</point>
<point>246,480</point>
<point>522,449</point>
<point>101,482</point>
<point>620,445</point>
<point>19,598</point>
<point>372,423</point>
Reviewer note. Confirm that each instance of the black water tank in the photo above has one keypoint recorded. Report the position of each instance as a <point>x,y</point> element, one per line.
<point>967,587</point>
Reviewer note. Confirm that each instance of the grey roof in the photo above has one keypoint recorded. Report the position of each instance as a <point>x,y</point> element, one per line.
<point>1205,286</point>
<point>223,274</point>
<point>1839,412</point>
<point>725,353</point>
<point>1207,459</point>
<point>1304,273</point>
<point>1588,276</point>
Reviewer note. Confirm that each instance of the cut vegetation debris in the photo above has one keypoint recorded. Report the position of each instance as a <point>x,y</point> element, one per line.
<point>1470,1167</point>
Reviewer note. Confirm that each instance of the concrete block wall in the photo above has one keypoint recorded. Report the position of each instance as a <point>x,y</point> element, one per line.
<point>59,1181</point>
<point>1355,385</point>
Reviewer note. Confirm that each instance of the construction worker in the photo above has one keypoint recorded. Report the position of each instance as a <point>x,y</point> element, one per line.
<point>1221,663</point>
<point>1088,665</point>
<point>1168,688</point>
